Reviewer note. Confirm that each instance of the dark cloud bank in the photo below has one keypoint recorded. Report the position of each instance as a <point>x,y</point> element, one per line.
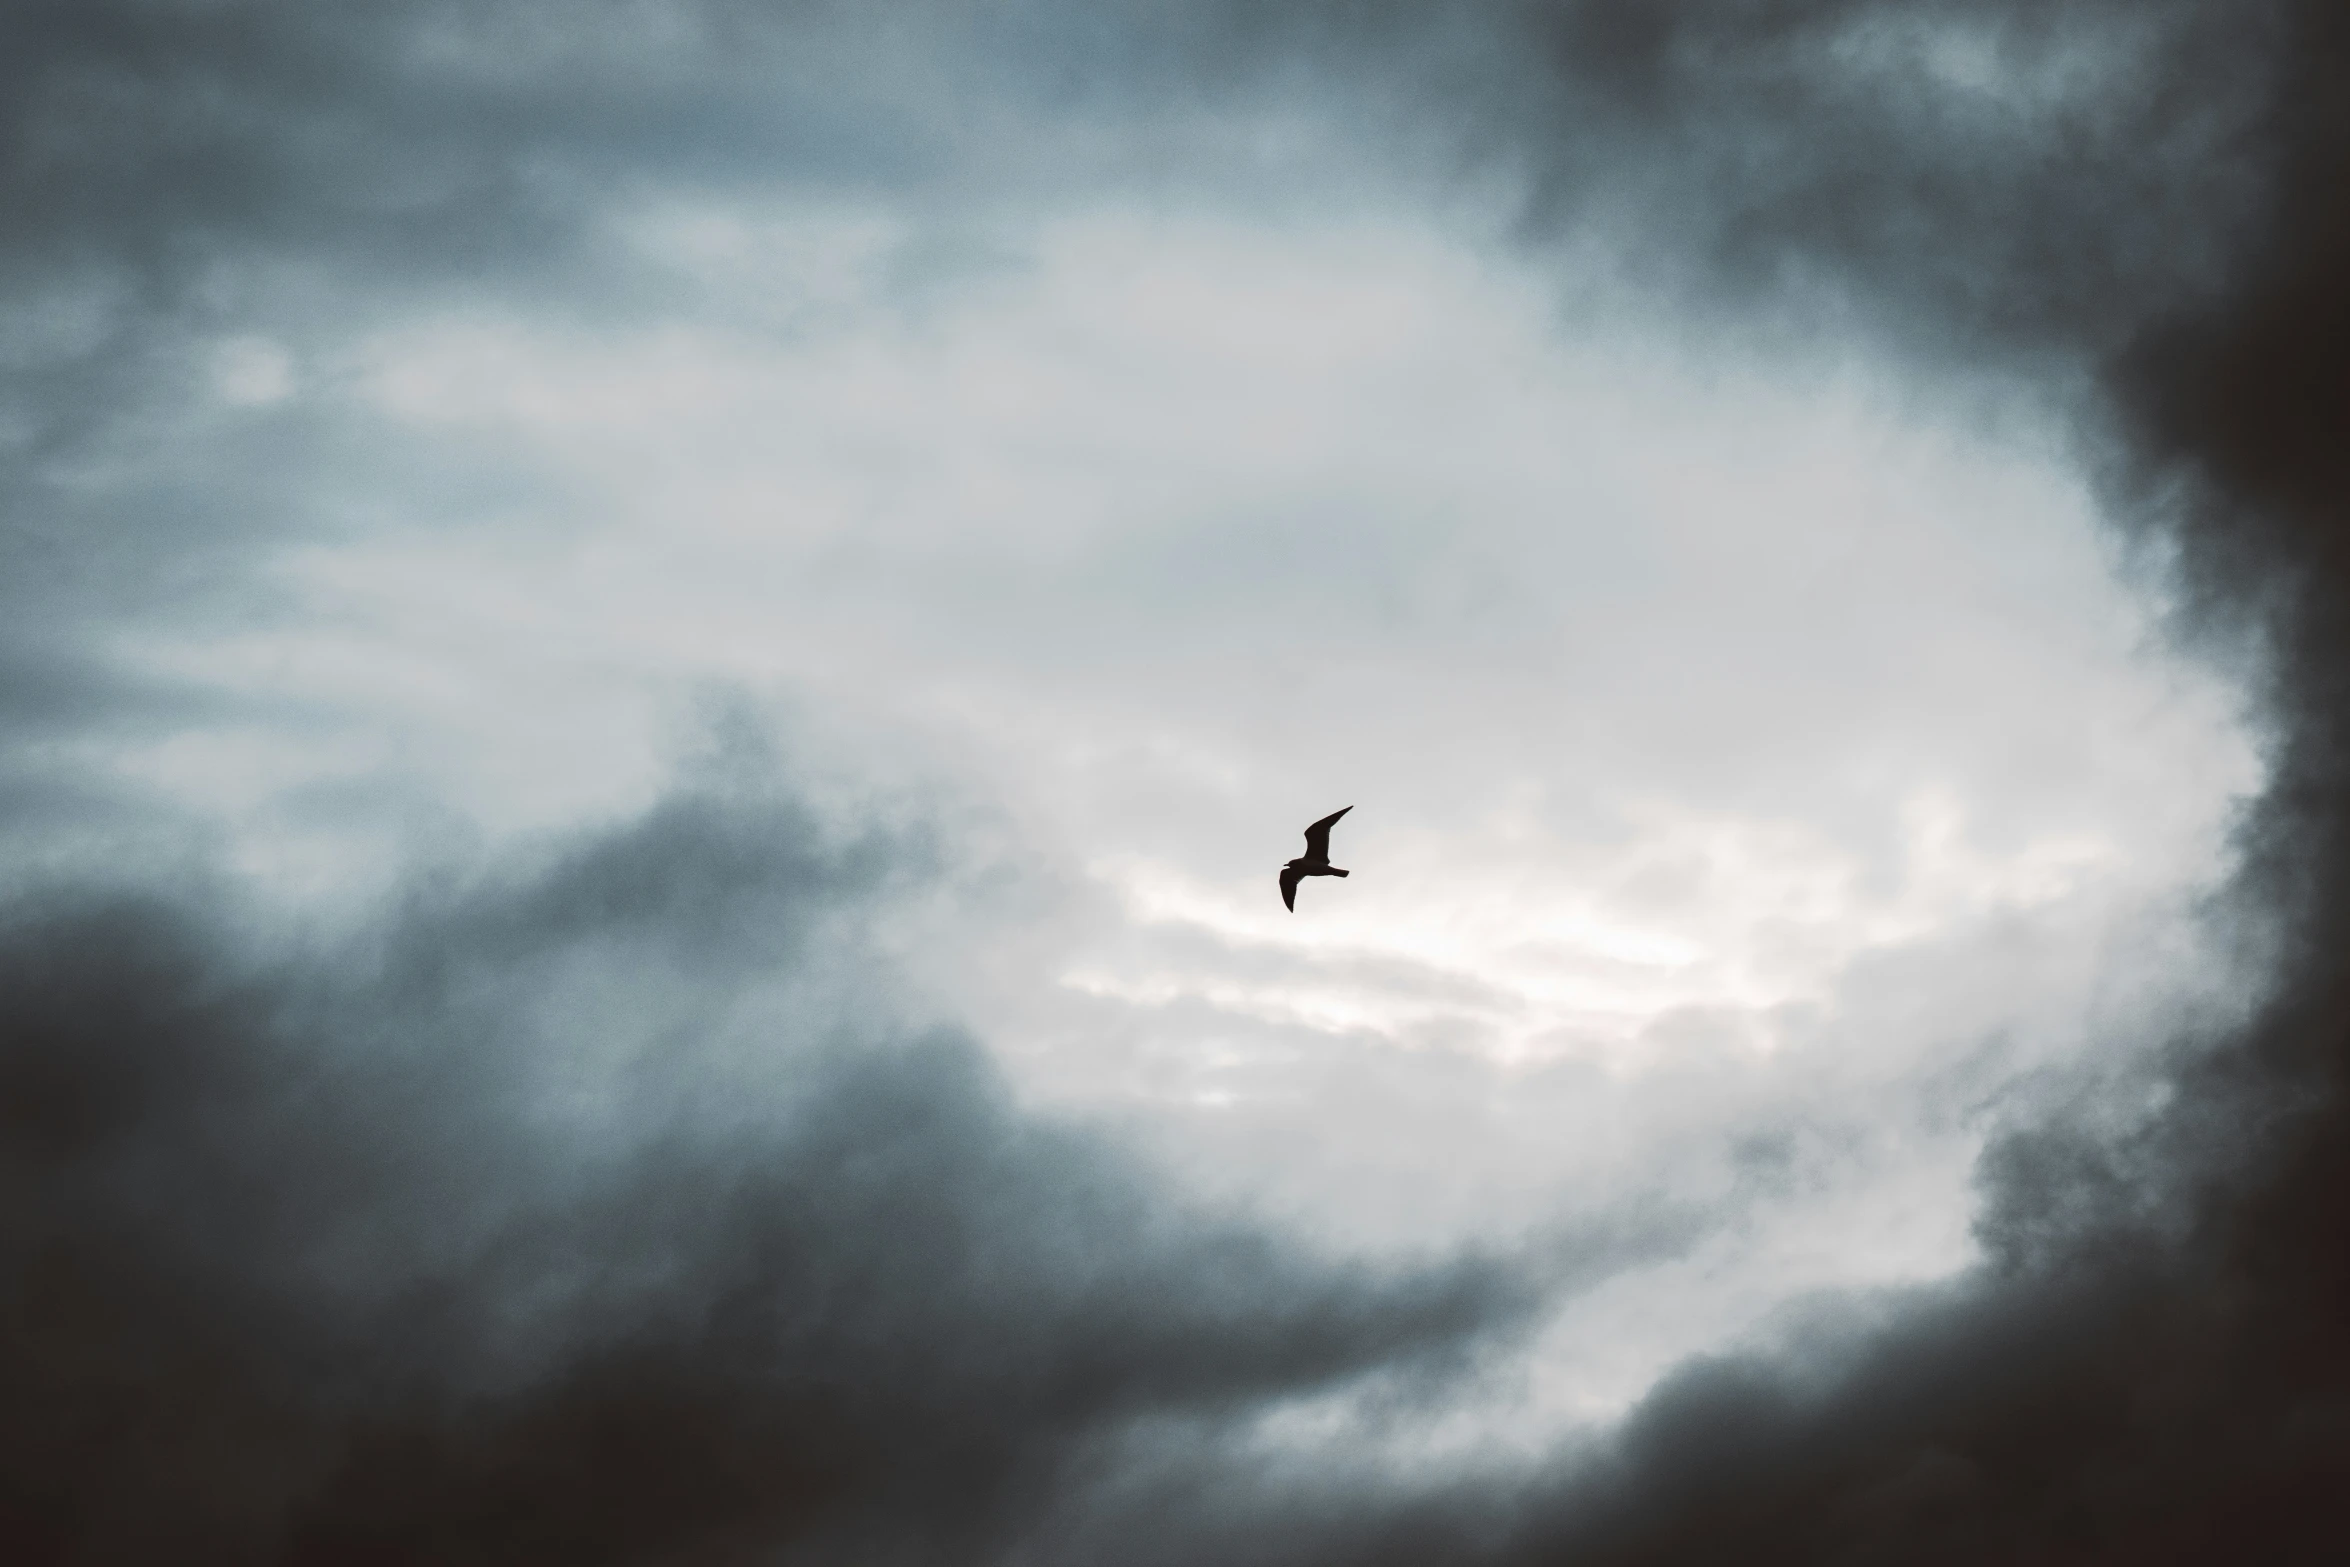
<point>299,1265</point>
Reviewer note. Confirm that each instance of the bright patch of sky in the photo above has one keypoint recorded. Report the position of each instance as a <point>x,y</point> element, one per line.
<point>1749,775</point>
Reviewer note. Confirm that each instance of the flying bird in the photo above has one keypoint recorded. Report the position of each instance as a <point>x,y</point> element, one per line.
<point>1316,861</point>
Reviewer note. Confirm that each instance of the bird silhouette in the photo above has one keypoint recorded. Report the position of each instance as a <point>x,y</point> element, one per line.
<point>1316,861</point>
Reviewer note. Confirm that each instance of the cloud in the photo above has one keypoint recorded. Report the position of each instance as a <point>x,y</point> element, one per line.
<point>313,1256</point>
<point>2146,1369</point>
<point>317,1255</point>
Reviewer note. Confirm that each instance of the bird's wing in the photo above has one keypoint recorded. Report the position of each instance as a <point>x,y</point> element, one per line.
<point>1318,836</point>
<point>1289,889</point>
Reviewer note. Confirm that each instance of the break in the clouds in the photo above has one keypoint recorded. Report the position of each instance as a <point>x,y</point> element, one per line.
<point>657,659</point>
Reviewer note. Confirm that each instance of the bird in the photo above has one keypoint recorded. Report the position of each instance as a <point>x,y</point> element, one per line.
<point>1316,861</point>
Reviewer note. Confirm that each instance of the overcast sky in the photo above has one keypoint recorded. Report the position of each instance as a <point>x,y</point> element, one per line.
<point>658,657</point>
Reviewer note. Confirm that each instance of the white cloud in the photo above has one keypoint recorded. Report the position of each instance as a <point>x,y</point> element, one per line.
<point>1680,706</point>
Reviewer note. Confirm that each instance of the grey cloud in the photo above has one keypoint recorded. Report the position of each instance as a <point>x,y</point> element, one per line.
<point>2151,1367</point>
<point>177,174</point>
<point>300,1265</point>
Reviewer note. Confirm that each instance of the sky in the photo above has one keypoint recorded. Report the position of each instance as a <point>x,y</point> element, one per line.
<point>656,659</point>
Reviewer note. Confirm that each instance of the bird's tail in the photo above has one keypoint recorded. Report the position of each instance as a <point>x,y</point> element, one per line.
<point>1335,871</point>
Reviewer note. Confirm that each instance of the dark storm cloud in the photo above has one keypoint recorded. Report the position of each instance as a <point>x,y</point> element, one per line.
<point>293,1270</point>
<point>300,1266</point>
<point>2153,1364</point>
